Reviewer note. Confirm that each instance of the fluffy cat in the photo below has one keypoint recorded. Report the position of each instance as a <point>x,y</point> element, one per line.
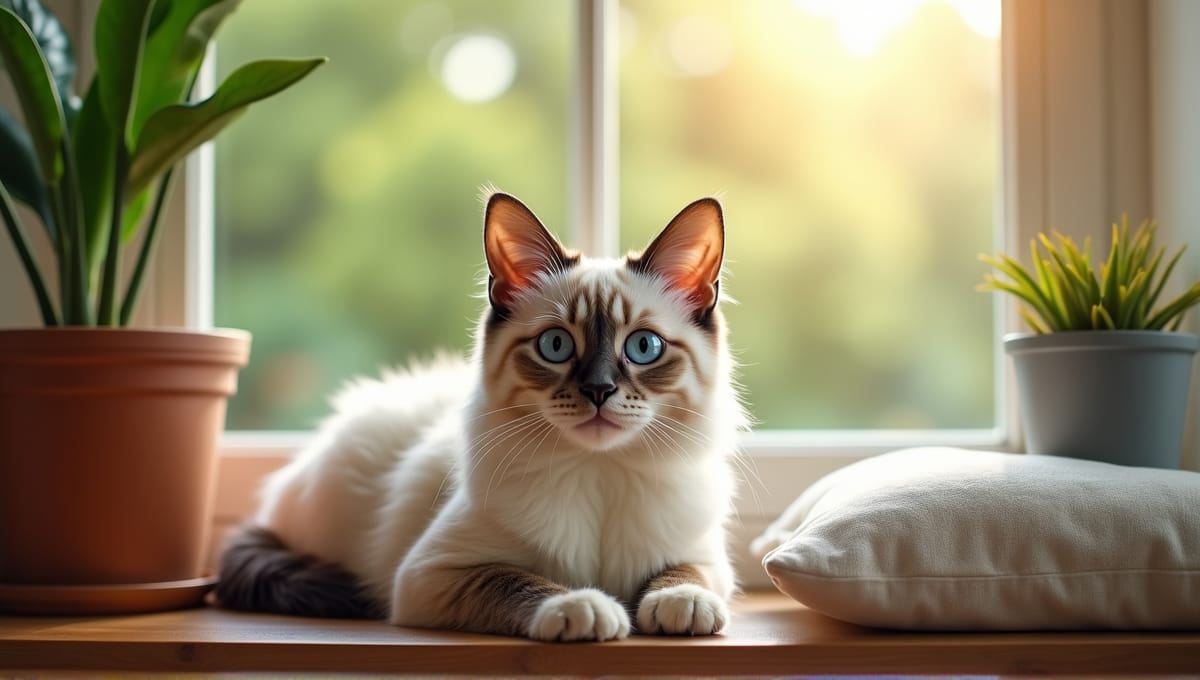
<point>570,481</point>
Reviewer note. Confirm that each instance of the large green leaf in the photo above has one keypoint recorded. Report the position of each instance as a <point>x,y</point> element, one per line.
<point>19,169</point>
<point>35,90</point>
<point>95,149</point>
<point>176,41</point>
<point>120,33</point>
<point>175,131</point>
<point>56,50</point>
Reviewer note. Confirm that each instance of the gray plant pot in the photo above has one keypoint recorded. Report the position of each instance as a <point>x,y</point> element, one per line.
<point>1113,396</point>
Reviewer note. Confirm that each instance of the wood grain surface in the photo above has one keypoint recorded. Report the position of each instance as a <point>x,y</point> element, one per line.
<point>769,634</point>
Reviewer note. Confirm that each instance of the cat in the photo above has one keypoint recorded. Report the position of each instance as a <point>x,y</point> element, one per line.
<point>571,481</point>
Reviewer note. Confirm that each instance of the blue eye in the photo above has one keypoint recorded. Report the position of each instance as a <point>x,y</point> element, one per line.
<point>555,345</point>
<point>643,347</point>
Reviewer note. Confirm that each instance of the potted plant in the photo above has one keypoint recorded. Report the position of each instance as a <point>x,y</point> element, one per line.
<point>108,434</point>
<point>1105,375</point>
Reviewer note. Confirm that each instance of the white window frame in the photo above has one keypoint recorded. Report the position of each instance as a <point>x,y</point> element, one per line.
<point>1099,104</point>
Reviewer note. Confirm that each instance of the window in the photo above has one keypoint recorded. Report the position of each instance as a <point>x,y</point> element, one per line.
<point>347,216</point>
<point>1097,99</point>
<point>856,150</point>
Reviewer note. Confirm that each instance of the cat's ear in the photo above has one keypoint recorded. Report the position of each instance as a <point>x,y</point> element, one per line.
<point>688,253</point>
<point>518,248</point>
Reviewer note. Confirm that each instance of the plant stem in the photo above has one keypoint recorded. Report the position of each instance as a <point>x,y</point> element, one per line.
<point>106,314</point>
<point>62,251</point>
<point>139,270</point>
<point>80,270</point>
<point>49,317</point>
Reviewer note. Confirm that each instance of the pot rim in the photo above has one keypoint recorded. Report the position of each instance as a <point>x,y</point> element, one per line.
<point>216,344</point>
<point>149,330</point>
<point>1102,340</point>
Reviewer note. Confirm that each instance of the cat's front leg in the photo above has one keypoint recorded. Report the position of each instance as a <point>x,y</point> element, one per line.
<point>677,601</point>
<point>508,600</point>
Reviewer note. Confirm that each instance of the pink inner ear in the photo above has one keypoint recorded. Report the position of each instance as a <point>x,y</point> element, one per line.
<point>518,248</point>
<point>688,253</point>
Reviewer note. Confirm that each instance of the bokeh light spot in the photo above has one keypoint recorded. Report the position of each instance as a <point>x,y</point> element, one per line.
<point>478,68</point>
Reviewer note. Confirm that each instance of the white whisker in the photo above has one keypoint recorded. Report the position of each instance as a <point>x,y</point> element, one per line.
<point>751,476</point>
<point>683,429</point>
<point>653,450</point>
<point>494,437</point>
<point>680,450</point>
<point>524,429</point>
<point>513,455</point>
<point>550,427</point>
<point>694,412</point>
<point>506,432</point>
<point>500,410</point>
<point>481,438</point>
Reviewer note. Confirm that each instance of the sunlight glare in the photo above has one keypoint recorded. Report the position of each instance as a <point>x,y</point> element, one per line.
<point>864,25</point>
<point>981,16</point>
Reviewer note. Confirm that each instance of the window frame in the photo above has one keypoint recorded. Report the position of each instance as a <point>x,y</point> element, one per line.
<point>1095,102</point>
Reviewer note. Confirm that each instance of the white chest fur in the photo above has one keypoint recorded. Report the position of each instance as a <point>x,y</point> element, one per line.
<point>599,521</point>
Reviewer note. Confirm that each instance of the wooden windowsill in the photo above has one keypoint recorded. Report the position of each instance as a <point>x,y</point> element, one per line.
<point>769,634</point>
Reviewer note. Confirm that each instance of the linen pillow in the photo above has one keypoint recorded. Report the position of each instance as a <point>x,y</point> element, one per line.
<point>950,539</point>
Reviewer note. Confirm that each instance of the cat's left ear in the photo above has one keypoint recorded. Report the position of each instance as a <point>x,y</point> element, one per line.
<point>518,249</point>
<point>688,253</point>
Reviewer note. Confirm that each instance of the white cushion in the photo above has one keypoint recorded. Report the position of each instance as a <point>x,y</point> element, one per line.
<point>949,539</point>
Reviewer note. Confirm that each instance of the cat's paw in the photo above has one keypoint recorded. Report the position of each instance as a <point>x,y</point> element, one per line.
<point>586,614</point>
<point>686,609</point>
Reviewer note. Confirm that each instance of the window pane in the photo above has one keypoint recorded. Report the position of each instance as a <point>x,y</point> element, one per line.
<point>855,145</point>
<point>347,209</point>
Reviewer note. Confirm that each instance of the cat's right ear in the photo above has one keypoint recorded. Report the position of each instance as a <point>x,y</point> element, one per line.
<point>519,249</point>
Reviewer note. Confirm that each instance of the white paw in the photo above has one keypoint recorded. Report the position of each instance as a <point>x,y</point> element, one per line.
<point>586,614</point>
<point>682,610</point>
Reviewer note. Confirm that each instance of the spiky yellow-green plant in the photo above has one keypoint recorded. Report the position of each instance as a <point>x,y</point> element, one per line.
<point>1064,293</point>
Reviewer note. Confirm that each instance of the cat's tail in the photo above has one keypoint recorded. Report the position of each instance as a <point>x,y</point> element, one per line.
<point>258,572</point>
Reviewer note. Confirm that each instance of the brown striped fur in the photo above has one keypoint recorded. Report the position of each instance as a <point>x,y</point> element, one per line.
<point>671,577</point>
<point>496,598</point>
<point>533,373</point>
<point>663,375</point>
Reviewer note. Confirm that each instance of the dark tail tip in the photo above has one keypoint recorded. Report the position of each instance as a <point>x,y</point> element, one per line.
<point>259,573</point>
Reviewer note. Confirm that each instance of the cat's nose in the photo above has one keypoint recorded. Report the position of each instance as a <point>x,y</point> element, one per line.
<point>598,393</point>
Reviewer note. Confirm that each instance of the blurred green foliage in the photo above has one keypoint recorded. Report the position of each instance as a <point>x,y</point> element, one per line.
<point>857,191</point>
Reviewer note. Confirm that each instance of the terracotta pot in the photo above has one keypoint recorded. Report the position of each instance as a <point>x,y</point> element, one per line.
<point>108,441</point>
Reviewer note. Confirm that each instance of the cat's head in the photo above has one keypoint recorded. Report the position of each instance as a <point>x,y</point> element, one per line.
<point>603,354</point>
